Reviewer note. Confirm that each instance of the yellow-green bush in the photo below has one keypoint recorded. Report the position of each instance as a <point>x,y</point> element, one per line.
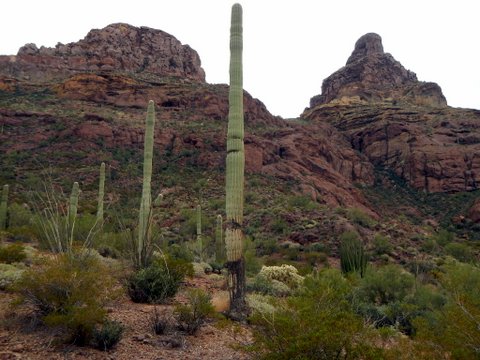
<point>316,323</point>
<point>69,291</point>
<point>9,274</point>
<point>12,253</point>
<point>192,315</point>
<point>286,274</point>
<point>454,328</point>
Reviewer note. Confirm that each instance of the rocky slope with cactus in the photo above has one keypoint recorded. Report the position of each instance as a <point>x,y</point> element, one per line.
<point>57,101</point>
<point>374,130</point>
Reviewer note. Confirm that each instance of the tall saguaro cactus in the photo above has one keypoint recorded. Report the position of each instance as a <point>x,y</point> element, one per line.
<point>101,194</point>
<point>146,201</point>
<point>235,171</point>
<point>219,247</point>
<point>3,208</point>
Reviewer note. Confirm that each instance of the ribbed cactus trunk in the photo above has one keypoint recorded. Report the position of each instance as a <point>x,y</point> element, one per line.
<point>235,171</point>
<point>3,208</point>
<point>72,214</point>
<point>101,194</point>
<point>219,246</point>
<point>199,233</point>
<point>146,201</point>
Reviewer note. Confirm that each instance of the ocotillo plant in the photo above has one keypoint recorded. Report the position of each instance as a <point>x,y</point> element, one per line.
<point>144,220</point>
<point>3,208</point>
<point>101,194</point>
<point>199,233</point>
<point>219,246</point>
<point>72,212</point>
<point>235,171</point>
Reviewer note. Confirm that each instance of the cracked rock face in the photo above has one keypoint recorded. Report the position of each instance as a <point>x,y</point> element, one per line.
<point>116,47</point>
<point>372,76</point>
<point>400,123</point>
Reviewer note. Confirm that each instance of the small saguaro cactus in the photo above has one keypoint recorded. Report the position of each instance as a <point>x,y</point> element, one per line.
<point>101,194</point>
<point>3,208</point>
<point>146,201</point>
<point>158,200</point>
<point>235,171</point>
<point>199,233</point>
<point>219,246</point>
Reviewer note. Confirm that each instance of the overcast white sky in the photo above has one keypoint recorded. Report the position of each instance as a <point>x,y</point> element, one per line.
<point>289,46</point>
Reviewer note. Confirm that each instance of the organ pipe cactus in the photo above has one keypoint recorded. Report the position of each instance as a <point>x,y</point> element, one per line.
<point>3,208</point>
<point>219,247</point>
<point>235,165</point>
<point>144,220</point>
<point>352,254</point>
<point>101,194</point>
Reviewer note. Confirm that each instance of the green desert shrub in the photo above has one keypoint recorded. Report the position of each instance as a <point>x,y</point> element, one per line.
<point>12,253</point>
<point>316,323</point>
<point>159,281</point>
<point>9,274</point>
<point>443,237</point>
<point>191,316</point>
<point>158,322</point>
<point>69,291</point>
<point>461,252</point>
<point>20,215</point>
<point>361,218</point>
<point>266,246</point>
<point>180,252</point>
<point>315,258</point>
<point>388,297</point>
<point>454,328</point>
<point>107,335</point>
<point>381,245</point>
<point>24,233</point>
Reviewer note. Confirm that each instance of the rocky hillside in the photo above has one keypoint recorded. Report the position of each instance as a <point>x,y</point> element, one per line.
<point>66,109</point>
<point>116,47</point>
<point>400,123</point>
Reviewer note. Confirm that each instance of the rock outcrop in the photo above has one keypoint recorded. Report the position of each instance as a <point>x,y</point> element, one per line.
<point>104,82</point>
<point>400,123</point>
<point>119,47</point>
<point>371,75</point>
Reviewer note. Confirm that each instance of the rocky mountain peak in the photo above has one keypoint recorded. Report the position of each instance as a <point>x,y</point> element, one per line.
<point>372,76</point>
<point>369,44</point>
<point>116,47</point>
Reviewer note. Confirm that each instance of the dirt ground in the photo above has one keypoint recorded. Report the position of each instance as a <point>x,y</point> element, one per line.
<point>218,339</point>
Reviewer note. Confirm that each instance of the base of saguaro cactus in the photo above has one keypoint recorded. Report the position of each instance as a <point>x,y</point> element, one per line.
<point>239,310</point>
